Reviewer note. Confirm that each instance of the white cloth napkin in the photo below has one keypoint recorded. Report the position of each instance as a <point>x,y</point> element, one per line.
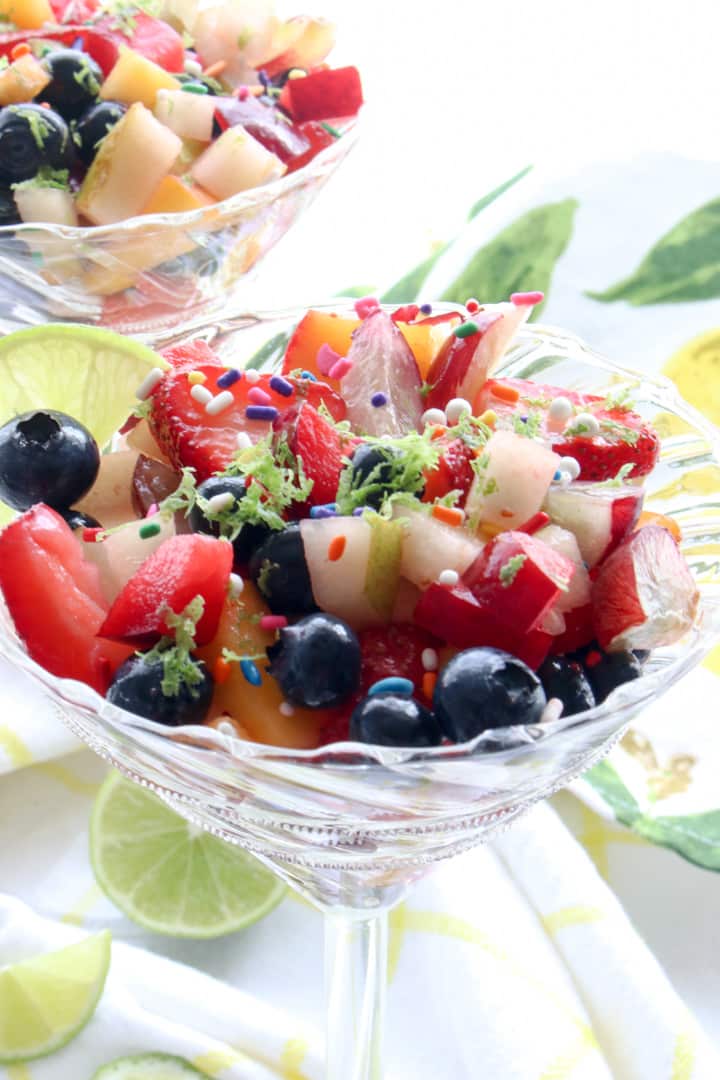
<point>513,962</point>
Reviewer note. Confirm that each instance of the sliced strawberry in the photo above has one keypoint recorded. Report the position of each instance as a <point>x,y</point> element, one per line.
<point>55,599</point>
<point>190,355</point>
<point>453,472</point>
<point>464,362</point>
<point>153,38</point>
<point>457,617</point>
<point>624,437</point>
<point>319,446</point>
<point>517,579</point>
<point>190,436</point>
<point>382,387</point>
<point>182,568</point>
<point>325,94</point>
<point>644,594</point>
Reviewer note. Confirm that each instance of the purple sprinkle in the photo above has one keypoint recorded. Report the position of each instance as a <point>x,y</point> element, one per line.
<point>281,386</point>
<point>77,43</point>
<point>426,309</point>
<point>261,412</point>
<point>326,510</point>
<point>379,399</point>
<point>231,376</point>
<point>358,511</point>
<point>263,78</point>
<point>524,419</point>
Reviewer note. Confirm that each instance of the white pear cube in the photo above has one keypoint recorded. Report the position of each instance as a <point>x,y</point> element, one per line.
<point>235,162</point>
<point>514,483</point>
<point>430,546</point>
<point>53,206</point>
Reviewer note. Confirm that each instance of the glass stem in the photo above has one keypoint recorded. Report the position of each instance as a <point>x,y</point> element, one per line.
<point>355,980</point>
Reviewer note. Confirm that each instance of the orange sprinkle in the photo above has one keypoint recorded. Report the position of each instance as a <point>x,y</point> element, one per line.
<point>221,670</point>
<point>649,517</point>
<point>489,417</point>
<point>23,49</point>
<point>44,104</point>
<point>505,393</point>
<point>438,432</point>
<point>215,69</point>
<point>336,547</point>
<point>506,513</point>
<point>450,515</point>
<point>428,684</point>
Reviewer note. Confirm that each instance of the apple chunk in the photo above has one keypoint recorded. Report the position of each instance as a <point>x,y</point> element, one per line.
<point>644,594</point>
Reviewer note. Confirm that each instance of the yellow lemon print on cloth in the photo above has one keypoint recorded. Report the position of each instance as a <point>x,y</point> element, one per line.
<point>695,370</point>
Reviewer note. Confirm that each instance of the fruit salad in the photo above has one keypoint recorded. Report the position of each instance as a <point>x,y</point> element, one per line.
<point>108,112</point>
<point>383,539</point>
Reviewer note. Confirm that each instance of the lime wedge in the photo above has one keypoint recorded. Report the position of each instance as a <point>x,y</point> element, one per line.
<point>149,1067</point>
<point>168,875</point>
<point>46,1001</point>
<point>89,374</point>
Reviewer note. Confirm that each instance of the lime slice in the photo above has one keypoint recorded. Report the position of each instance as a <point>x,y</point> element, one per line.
<point>89,374</point>
<point>168,875</point>
<point>46,1001</point>
<point>149,1067</point>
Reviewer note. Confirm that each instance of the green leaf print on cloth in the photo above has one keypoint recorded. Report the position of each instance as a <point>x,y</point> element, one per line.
<point>519,258</point>
<point>683,265</point>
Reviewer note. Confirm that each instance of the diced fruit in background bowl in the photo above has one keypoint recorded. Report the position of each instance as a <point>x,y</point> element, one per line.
<point>599,518</point>
<point>121,554</point>
<point>456,616</point>
<point>50,205</point>
<point>235,162</point>
<point>430,546</point>
<point>644,595</point>
<point>110,499</point>
<point>318,445</point>
<point>382,387</point>
<point>189,115</point>
<point>518,578</point>
<point>612,437</point>
<point>152,481</point>
<point>175,196</point>
<point>269,127</point>
<point>308,41</point>
<point>131,162</point>
<point>464,363</point>
<point>515,481</point>
<point>453,472</point>
<point>325,94</point>
<point>152,38</point>
<point>354,567</point>
<point>27,14</point>
<point>190,355</point>
<point>22,80</point>
<point>54,597</point>
<point>261,709</point>
<point>182,568</point>
<point>135,78</point>
<point>240,35</point>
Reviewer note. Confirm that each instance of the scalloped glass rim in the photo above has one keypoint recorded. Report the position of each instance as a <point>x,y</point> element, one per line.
<point>326,160</point>
<point>679,660</point>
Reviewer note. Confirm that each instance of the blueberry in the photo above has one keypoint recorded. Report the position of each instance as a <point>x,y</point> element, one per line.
<point>486,688</point>
<point>372,466</point>
<point>31,138</point>
<point>8,209</point>
<point>565,679</point>
<point>605,671</point>
<point>137,687</point>
<point>394,720</point>
<point>279,570</point>
<point>75,81</point>
<point>94,125</point>
<point>316,662</point>
<point>77,520</point>
<point>250,536</point>
<point>46,457</point>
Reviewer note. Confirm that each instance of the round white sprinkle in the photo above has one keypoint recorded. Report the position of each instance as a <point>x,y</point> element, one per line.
<point>570,465</point>
<point>585,424</point>
<point>220,502</point>
<point>219,403</point>
<point>286,708</point>
<point>456,408</point>
<point>448,577</point>
<point>243,440</point>
<point>434,416</point>
<point>236,585</point>
<point>201,394</point>
<point>226,728</point>
<point>193,68</point>
<point>429,659</point>
<point>552,711</point>
<point>252,376</point>
<point>149,383</point>
<point>560,409</point>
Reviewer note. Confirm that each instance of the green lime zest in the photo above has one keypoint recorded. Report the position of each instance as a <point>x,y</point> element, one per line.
<point>175,650</point>
<point>529,427</point>
<point>401,470</point>
<point>46,178</point>
<point>510,570</point>
<point>618,479</point>
<point>274,478</point>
